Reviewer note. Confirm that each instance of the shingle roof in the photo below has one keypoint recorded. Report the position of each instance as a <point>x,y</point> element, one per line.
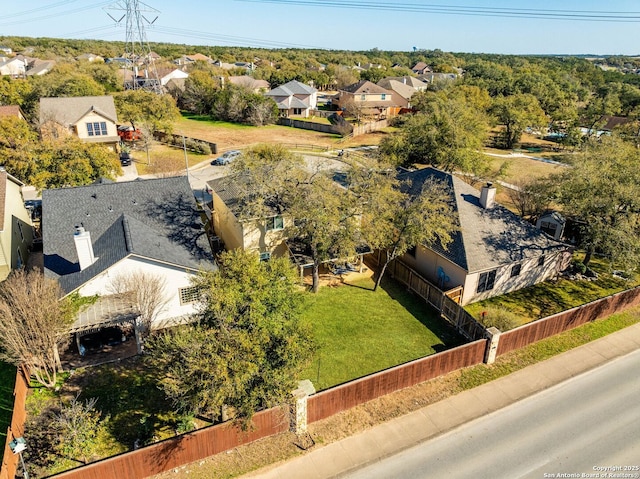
<point>155,219</point>
<point>68,110</point>
<point>487,238</point>
<point>402,89</point>
<point>364,86</point>
<point>294,87</point>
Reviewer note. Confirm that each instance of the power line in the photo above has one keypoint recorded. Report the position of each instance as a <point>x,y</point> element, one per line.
<point>34,10</point>
<point>524,13</point>
<point>54,15</point>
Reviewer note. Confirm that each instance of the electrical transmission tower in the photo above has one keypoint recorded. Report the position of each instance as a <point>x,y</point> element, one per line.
<point>140,69</point>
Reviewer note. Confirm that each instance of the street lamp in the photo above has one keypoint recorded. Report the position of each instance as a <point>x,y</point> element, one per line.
<point>17,446</point>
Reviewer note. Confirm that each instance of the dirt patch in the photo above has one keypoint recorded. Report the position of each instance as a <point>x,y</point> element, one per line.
<point>228,136</point>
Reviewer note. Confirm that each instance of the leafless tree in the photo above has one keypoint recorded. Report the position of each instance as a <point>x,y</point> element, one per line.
<point>146,291</point>
<point>33,320</point>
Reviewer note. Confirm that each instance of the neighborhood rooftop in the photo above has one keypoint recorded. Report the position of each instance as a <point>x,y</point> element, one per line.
<point>155,219</point>
<point>488,238</point>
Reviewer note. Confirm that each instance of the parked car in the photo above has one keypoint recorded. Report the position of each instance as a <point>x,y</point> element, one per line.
<point>227,157</point>
<point>125,158</point>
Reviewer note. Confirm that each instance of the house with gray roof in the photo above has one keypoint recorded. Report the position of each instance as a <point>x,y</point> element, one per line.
<point>401,93</point>
<point>294,98</point>
<point>91,118</point>
<point>93,235</point>
<point>493,252</point>
<point>365,97</point>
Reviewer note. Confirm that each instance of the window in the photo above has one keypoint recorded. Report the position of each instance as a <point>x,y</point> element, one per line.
<point>266,256</point>
<point>383,96</point>
<point>541,261</point>
<point>515,270</point>
<point>486,281</point>
<point>20,230</point>
<point>412,251</point>
<point>363,97</point>
<point>189,295</point>
<point>549,228</point>
<point>97,128</point>
<point>297,111</point>
<point>275,223</point>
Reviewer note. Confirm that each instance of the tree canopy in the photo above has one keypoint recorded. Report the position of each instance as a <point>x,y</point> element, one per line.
<point>249,345</point>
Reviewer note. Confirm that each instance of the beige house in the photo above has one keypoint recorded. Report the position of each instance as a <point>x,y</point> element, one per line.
<point>263,235</point>
<point>366,97</point>
<point>401,93</point>
<point>91,118</point>
<point>294,98</point>
<point>494,252</point>
<point>16,235</point>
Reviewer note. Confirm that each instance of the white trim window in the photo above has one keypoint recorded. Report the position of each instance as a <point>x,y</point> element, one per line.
<point>275,223</point>
<point>486,281</point>
<point>97,128</point>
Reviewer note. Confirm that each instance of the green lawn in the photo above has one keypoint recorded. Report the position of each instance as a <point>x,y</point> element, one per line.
<point>552,297</point>
<point>7,382</point>
<point>359,331</point>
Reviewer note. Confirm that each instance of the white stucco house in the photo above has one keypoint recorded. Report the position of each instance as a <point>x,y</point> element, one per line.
<point>92,235</point>
<point>493,252</point>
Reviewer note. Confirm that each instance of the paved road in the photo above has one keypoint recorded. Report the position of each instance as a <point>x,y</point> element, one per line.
<point>590,421</point>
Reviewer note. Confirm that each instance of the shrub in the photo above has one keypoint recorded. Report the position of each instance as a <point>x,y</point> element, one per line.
<point>499,318</point>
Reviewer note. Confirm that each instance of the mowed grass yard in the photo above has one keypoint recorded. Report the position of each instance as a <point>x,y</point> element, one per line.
<point>360,331</point>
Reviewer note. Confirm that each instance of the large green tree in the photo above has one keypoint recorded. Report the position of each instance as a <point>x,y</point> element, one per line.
<point>602,191</point>
<point>249,346</point>
<point>516,113</point>
<point>448,134</point>
<point>147,109</point>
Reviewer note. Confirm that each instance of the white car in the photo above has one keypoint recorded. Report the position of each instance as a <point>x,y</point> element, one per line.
<point>227,157</point>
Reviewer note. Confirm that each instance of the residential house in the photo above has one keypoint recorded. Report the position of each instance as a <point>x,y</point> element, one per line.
<point>6,49</point>
<point>16,235</point>
<point>15,67</point>
<point>250,83</point>
<point>165,75</point>
<point>294,98</point>
<point>90,57</point>
<point>190,59</point>
<point>94,235</point>
<point>411,81</point>
<point>12,111</point>
<point>421,68</point>
<point>401,93</point>
<point>38,67</point>
<point>262,235</point>
<point>90,118</point>
<point>437,77</point>
<point>605,125</point>
<point>494,252</point>
<point>368,97</point>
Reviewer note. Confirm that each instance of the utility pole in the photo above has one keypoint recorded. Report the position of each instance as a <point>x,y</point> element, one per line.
<point>143,74</point>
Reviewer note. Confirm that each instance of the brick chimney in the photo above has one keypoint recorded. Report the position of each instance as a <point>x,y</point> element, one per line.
<point>487,196</point>
<point>82,240</point>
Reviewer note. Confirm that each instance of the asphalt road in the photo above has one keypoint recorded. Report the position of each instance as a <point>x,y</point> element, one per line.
<point>588,426</point>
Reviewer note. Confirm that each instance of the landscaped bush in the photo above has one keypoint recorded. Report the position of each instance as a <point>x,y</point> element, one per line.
<point>499,318</point>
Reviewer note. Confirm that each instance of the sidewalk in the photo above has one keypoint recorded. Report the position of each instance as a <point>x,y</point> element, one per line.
<point>401,433</point>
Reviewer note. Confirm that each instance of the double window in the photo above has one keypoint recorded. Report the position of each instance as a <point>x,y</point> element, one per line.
<point>275,223</point>
<point>486,281</point>
<point>97,128</point>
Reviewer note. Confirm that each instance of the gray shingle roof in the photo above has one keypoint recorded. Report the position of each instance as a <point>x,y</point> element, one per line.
<point>294,87</point>
<point>68,110</point>
<point>155,219</point>
<point>488,238</point>
<point>365,86</point>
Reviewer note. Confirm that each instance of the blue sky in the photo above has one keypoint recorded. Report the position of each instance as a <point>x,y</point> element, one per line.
<point>393,25</point>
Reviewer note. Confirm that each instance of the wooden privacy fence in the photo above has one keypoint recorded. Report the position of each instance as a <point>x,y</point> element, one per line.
<point>566,320</point>
<point>16,428</point>
<point>181,450</point>
<point>353,393</point>
<point>455,314</point>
